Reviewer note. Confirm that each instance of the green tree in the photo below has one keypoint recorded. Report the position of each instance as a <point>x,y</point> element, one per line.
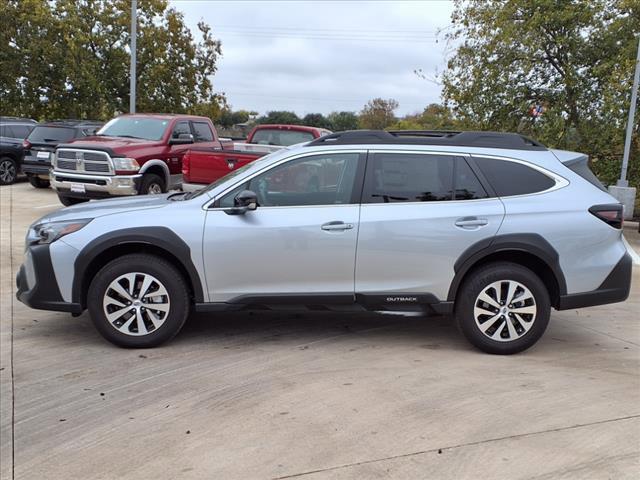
<point>341,121</point>
<point>70,58</point>
<point>316,120</point>
<point>434,117</point>
<point>378,114</point>
<point>280,117</point>
<point>573,59</point>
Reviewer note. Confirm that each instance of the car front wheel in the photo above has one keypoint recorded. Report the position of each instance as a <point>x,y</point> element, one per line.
<point>138,301</point>
<point>503,308</point>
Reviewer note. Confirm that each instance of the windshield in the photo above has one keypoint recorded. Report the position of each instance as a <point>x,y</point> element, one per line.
<point>51,134</point>
<point>275,136</point>
<point>135,127</point>
<point>237,173</point>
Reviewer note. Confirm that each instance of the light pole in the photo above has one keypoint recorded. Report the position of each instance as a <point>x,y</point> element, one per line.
<point>625,194</point>
<point>132,70</point>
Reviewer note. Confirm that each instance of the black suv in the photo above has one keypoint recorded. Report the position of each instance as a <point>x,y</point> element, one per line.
<point>12,131</point>
<point>42,142</point>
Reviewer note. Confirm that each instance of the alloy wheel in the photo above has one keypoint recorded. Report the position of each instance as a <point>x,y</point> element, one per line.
<point>154,189</point>
<point>136,304</point>
<point>7,171</point>
<point>505,310</point>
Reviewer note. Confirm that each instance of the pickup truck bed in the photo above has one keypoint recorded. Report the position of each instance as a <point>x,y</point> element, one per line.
<point>203,165</point>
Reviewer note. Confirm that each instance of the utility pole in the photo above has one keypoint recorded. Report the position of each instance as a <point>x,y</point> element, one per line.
<point>621,190</point>
<point>632,110</point>
<point>132,70</point>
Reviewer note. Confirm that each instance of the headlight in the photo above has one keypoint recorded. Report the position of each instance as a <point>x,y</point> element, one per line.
<point>45,233</point>
<point>122,163</point>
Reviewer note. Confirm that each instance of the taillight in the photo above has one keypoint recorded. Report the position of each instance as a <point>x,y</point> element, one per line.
<point>26,144</point>
<point>611,214</point>
<point>186,165</point>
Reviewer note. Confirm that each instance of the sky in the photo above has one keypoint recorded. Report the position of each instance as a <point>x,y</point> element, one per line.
<point>324,56</point>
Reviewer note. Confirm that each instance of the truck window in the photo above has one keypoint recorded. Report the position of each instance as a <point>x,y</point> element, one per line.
<point>130,126</point>
<point>202,131</point>
<point>181,128</point>
<point>269,136</point>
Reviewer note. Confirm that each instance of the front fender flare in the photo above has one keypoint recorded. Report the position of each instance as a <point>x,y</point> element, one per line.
<point>153,163</point>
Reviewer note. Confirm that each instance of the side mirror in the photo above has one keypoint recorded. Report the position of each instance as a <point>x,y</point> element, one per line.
<point>183,138</point>
<point>245,201</point>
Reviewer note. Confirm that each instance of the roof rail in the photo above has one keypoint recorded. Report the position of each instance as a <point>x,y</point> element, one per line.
<point>513,141</point>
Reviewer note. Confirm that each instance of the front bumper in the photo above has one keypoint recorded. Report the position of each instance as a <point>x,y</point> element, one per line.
<point>615,288</point>
<point>94,186</point>
<point>36,283</point>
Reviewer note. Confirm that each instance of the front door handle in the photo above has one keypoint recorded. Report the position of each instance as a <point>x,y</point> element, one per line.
<point>336,226</point>
<point>471,222</point>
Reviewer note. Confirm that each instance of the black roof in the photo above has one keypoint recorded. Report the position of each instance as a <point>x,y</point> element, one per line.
<point>513,141</point>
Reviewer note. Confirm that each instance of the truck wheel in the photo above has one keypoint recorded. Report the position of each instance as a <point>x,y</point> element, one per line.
<point>38,182</point>
<point>152,184</point>
<point>68,201</point>
<point>138,301</point>
<point>502,308</point>
<point>8,171</point>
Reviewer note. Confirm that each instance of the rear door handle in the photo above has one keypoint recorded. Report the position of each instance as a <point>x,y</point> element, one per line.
<point>336,226</point>
<point>471,222</point>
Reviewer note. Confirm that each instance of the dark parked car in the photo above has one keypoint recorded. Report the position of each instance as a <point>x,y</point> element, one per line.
<point>41,143</point>
<point>12,131</point>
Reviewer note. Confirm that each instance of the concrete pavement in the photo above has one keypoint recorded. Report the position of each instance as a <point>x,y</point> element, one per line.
<point>243,396</point>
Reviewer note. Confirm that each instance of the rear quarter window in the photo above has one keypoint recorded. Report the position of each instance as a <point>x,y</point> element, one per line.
<point>510,178</point>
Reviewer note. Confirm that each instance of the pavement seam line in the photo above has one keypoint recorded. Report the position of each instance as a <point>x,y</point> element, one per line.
<point>13,385</point>
<point>452,447</point>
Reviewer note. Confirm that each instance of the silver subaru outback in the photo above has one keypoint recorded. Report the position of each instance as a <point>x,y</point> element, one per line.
<point>494,229</point>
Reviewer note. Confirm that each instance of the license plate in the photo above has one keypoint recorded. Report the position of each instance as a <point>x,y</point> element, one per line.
<point>44,155</point>
<point>78,187</point>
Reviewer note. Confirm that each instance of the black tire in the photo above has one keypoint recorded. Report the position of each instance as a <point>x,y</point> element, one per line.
<point>68,201</point>
<point>479,280</point>
<point>8,171</point>
<point>38,182</point>
<point>178,299</point>
<point>152,184</point>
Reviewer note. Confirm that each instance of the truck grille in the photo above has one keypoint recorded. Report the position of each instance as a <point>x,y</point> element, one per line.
<point>83,161</point>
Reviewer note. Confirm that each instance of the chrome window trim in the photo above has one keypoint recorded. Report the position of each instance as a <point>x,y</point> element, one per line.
<point>316,153</point>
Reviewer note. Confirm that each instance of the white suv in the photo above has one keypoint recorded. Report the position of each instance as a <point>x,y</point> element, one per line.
<point>492,228</point>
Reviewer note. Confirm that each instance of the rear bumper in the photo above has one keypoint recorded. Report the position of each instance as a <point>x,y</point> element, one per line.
<point>35,167</point>
<point>36,284</point>
<point>615,288</point>
<point>95,186</point>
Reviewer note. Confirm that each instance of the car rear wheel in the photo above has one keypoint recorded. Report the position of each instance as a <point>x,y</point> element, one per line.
<point>68,201</point>
<point>152,184</point>
<point>138,301</point>
<point>38,182</point>
<point>503,308</point>
<point>8,171</point>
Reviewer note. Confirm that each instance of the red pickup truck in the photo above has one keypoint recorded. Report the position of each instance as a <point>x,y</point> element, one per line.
<point>132,154</point>
<point>202,165</point>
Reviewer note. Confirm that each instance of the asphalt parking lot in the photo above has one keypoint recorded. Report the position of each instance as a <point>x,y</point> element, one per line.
<point>265,396</point>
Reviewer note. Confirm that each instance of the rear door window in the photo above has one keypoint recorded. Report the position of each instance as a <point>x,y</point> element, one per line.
<point>467,185</point>
<point>202,132</point>
<point>406,177</point>
<point>510,178</point>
